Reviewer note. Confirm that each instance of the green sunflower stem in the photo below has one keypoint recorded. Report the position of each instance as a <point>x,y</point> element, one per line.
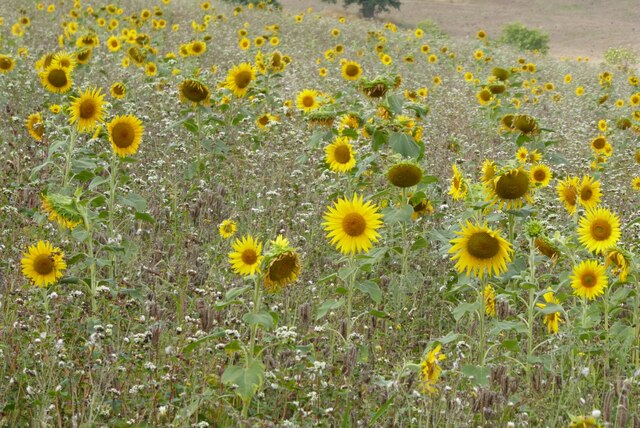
<point>636,322</point>
<point>198,137</point>
<point>405,256</point>
<point>254,327</point>
<point>350,286</point>
<point>67,166</point>
<point>531,305</point>
<point>113,173</point>
<point>512,227</point>
<point>481,316</point>
<point>606,330</point>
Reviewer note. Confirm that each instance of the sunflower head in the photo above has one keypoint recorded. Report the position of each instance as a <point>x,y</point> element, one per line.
<point>56,79</point>
<point>62,210</point>
<point>125,134</point>
<point>87,110</point>
<point>459,187</point>
<point>35,126</point>
<point>500,73</point>
<point>589,279</point>
<point>307,100</point>
<point>620,261</point>
<point>589,193</point>
<point>352,225</point>
<point>340,155</point>
<point>568,193</point>
<point>6,63</point>
<point>239,79</point>
<point>282,265</point>
<point>246,256</point>
<point>547,248</point>
<point>404,174</point>
<point>525,124</point>
<point>83,56</point>
<point>194,91</point>
<point>351,70</point>
<point>599,230</point>
<point>480,250</point>
<point>511,189</point>
<point>43,264</point>
<point>540,175</point>
<point>118,90</point>
<point>227,228</point>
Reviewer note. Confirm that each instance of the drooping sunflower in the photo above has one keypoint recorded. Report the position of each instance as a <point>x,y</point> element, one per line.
<point>459,187</point>
<point>568,193</point>
<point>540,175</point>
<point>118,90</point>
<point>35,126</point>
<point>227,228</point>
<point>480,250</point>
<point>589,279</point>
<point>547,248</point>
<point>552,320</point>
<point>125,134</point>
<point>246,256</point>
<point>282,265</point>
<point>430,370</point>
<point>589,192</point>
<point>404,174</point>
<point>43,264</point>
<point>340,156</point>
<point>57,208</point>
<point>6,63</point>
<point>87,110</point>
<point>83,56</point>
<point>239,78</point>
<point>307,100</point>
<point>352,225</point>
<point>194,91</point>
<point>489,301</point>
<point>599,230</point>
<point>488,173</point>
<point>56,79</point>
<point>351,70</point>
<point>511,189</point>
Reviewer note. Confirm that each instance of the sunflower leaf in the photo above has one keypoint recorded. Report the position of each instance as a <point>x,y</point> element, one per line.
<point>326,307</point>
<point>397,215</point>
<point>372,289</point>
<point>476,374</point>
<point>405,145</point>
<point>247,379</point>
<point>262,318</point>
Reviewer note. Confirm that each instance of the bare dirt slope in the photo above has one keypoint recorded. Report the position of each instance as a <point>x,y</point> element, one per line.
<point>576,27</point>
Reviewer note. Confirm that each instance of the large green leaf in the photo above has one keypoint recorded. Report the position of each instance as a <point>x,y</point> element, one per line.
<point>405,145</point>
<point>248,379</point>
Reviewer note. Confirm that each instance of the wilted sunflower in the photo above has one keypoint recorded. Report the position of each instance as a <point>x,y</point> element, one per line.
<point>246,256</point>
<point>56,207</point>
<point>568,193</point>
<point>540,175</point>
<point>35,126</point>
<point>547,248</point>
<point>282,265</point>
<point>339,155</point>
<point>589,192</point>
<point>307,100</point>
<point>526,124</point>
<point>459,187</point>
<point>87,110</point>
<point>511,189</point>
<point>43,264</point>
<point>589,279</point>
<point>6,63</point>
<point>125,134</point>
<point>56,79</point>
<point>553,319</point>
<point>599,230</point>
<point>195,92</point>
<point>137,56</point>
<point>489,301</point>
<point>404,174</point>
<point>480,250</point>
<point>352,225</point>
<point>227,228</point>
<point>351,70</point>
<point>118,90</point>
<point>430,370</point>
<point>83,56</point>
<point>239,79</point>
<point>488,174</point>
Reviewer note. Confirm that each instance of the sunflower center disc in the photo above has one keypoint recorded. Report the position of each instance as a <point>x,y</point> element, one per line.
<point>282,267</point>
<point>87,109</point>
<point>598,143</point>
<point>406,176</point>
<point>600,230</point>
<point>342,154</point>
<point>351,71</point>
<point>194,92</point>
<point>588,280</point>
<point>243,79</point>
<point>308,101</point>
<point>540,175</point>
<point>57,78</point>
<point>512,185</point>
<point>249,257</point>
<point>43,264</point>
<point>483,246</point>
<point>122,135</point>
<point>5,64</point>
<point>263,120</point>
<point>586,193</point>
<point>354,224</point>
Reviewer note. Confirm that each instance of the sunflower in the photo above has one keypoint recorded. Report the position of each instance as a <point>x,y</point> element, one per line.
<point>459,187</point>
<point>511,189</point>
<point>194,91</point>
<point>87,110</point>
<point>522,154</point>
<point>526,124</point>
<point>264,120</point>
<point>43,264</point>
<point>35,126</point>
<point>552,320</point>
<point>239,78</point>
<point>125,134</point>
<point>421,207</point>
<point>118,90</point>
<point>546,247</point>
<point>246,257</point>
<point>540,175</point>
<point>568,193</point>
<point>488,173</point>
<point>430,370</point>
<point>55,108</point>
<point>490,301</point>
<point>56,79</point>
<point>485,97</point>
<point>6,63</point>
<point>197,48</point>
<point>635,183</point>
<point>589,279</point>
<point>307,100</point>
<point>404,174</point>
<point>64,60</point>
<point>339,155</point>
<point>282,269</point>
<point>351,70</point>
<point>113,43</point>
<point>599,143</point>
<point>589,192</point>
<point>84,55</point>
<point>227,228</point>
<point>599,230</point>
<point>351,225</point>
<point>56,207</point>
<point>480,249</point>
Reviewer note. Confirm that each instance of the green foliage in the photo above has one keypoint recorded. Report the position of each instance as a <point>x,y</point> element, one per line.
<point>524,38</point>
<point>370,8</point>
<point>432,29</point>
<point>623,57</point>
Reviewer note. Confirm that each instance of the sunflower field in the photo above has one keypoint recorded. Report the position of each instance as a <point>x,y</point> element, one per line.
<point>228,215</point>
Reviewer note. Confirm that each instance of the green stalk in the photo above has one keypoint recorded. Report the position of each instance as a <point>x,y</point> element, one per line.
<point>350,286</point>
<point>405,255</point>
<point>636,322</point>
<point>112,199</point>
<point>67,166</point>
<point>249,356</point>
<point>531,305</point>
<point>481,344</point>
